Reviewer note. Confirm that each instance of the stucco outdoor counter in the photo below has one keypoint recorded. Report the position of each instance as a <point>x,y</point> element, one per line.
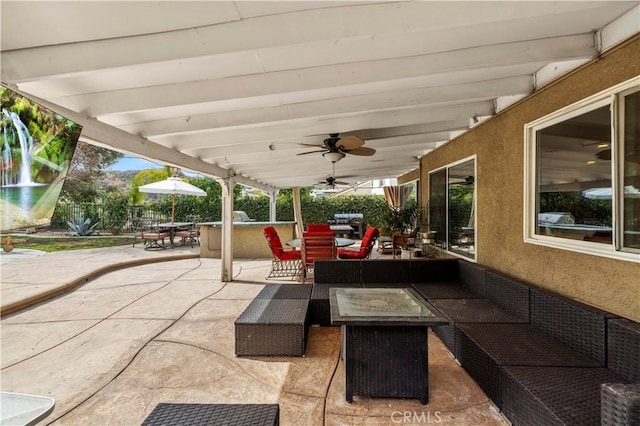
<point>248,238</point>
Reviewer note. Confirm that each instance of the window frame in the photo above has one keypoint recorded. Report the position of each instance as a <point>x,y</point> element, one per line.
<point>475,205</point>
<point>611,97</point>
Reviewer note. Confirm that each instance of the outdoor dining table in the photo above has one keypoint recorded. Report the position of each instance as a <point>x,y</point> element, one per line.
<point>172,227</point>
<point>384,341</point>
<point>340,242</point>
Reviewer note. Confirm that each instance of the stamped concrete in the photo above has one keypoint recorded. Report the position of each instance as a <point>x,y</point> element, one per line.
<point>111,349</point>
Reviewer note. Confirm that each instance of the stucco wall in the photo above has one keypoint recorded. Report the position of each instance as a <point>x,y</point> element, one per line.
<point>498,143</point>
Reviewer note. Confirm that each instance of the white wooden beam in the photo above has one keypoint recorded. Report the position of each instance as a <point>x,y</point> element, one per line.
<point>122,141</point>
<point>331,124</point>
<point>217,93</point>
<point>358,22</point>
<point>419,93</point>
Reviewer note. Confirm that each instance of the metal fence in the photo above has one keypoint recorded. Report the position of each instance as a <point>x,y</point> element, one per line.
<point>72,211</point>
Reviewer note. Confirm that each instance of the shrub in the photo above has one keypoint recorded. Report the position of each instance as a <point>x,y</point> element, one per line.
<point>115,212</point>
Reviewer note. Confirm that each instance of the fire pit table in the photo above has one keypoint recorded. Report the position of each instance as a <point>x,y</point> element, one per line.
<point>384,341</point>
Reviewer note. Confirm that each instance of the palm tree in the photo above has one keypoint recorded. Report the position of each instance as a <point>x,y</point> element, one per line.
<point>145,177</point>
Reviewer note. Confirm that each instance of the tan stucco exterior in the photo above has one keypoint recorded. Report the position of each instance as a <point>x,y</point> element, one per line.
<point>498,144</point>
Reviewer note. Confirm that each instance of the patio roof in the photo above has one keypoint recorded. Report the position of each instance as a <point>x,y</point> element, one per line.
<point>233,88</point>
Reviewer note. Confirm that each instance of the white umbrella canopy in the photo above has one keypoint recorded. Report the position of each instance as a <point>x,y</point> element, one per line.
<point>605,193</point>
<point>174,186</point>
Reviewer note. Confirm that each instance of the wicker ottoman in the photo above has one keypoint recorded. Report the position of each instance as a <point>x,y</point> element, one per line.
<point>214,414</point>
<point>272,327</point>
<point>285,291</point>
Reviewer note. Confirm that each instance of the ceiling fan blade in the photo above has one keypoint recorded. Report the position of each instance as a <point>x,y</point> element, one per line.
<point>311,152</point>
<point>314,145</point>
<point>349,142</point>
<point>364,151</point>
<point>339,182</point>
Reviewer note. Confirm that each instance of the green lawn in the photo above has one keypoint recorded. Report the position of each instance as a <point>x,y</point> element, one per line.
<point>51,244</point>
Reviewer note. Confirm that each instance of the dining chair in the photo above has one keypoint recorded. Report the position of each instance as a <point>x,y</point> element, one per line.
<point>320,245</point>
<point>152,235</point>
<point>366,246</point>
<point>190,233</point>
<point>318,227</point>
<point>284,263</point>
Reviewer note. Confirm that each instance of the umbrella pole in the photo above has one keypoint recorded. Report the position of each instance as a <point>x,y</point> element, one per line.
<point>173,208</point>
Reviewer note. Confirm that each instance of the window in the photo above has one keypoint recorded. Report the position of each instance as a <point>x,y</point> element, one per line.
<point>583,176</point>
<point>452,207</point>
<point>630,153</point>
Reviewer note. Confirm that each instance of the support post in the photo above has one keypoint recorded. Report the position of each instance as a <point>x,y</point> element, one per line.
<point>273,195</point>
<point>226,254</point>
<point>297,211</point>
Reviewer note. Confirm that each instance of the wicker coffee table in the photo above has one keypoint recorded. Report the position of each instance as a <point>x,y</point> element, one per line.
<point>384,336</point>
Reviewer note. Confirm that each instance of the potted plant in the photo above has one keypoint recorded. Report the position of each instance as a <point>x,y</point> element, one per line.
<point>400,220</point>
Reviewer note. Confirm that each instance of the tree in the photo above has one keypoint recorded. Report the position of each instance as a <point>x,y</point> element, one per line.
<point>145,177</point>
<point>85,171</point>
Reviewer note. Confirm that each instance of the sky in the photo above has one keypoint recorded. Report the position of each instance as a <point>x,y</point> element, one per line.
<point>134,163</point>
<point>130,162</point>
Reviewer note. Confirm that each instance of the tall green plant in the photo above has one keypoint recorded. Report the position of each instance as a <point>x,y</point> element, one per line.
<point>115,212</point>
<point>399,220</point>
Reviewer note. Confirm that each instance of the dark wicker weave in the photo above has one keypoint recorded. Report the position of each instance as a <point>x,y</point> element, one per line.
<point>433,271</point>
<point>165,414</point>
<point>473,277</point>
<point>474,310</point>
<point>540,396</point>
<point>623,341</point>
<point>508,293</point>
<point>620,404</point>
<point>580,326</point>
<point>272,327</point>
<point>386,285</point>
<point>445,291</point>
<point>285,291</point>
<point>446,335</point>
<point>337,271</point>
<point>386,362</point>
<point>385,271</point>
<point>319,309</point>
<point>482,349</point>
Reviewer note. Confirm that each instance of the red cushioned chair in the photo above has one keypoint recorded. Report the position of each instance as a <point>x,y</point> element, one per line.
<point>318,227</point>
<point>284,263</point>
<point>366,246</point>
<point>316,245</point>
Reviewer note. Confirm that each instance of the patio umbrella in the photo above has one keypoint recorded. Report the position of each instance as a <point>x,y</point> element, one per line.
<point>605,193</point>
<point>174,186</point>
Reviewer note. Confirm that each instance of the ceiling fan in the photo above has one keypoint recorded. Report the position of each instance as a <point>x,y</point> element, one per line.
<point>331,181</point>
<point>334,148</point>
<point>469,180</point>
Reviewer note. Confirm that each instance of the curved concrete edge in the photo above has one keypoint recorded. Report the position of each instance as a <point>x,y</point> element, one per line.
<point>37,298</point>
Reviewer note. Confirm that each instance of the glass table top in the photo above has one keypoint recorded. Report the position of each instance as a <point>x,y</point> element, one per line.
<point>350,305</point>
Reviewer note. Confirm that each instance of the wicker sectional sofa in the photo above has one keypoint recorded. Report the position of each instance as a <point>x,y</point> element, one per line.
<point>542,358</point>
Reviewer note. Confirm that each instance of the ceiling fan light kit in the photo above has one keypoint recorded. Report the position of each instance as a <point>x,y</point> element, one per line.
<point>333,156</point>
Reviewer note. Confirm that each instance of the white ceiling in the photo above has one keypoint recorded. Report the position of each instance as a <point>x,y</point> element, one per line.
<point>228,88</point>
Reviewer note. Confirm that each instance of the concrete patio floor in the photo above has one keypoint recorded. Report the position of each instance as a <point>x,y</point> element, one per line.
<point>110,349</point>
